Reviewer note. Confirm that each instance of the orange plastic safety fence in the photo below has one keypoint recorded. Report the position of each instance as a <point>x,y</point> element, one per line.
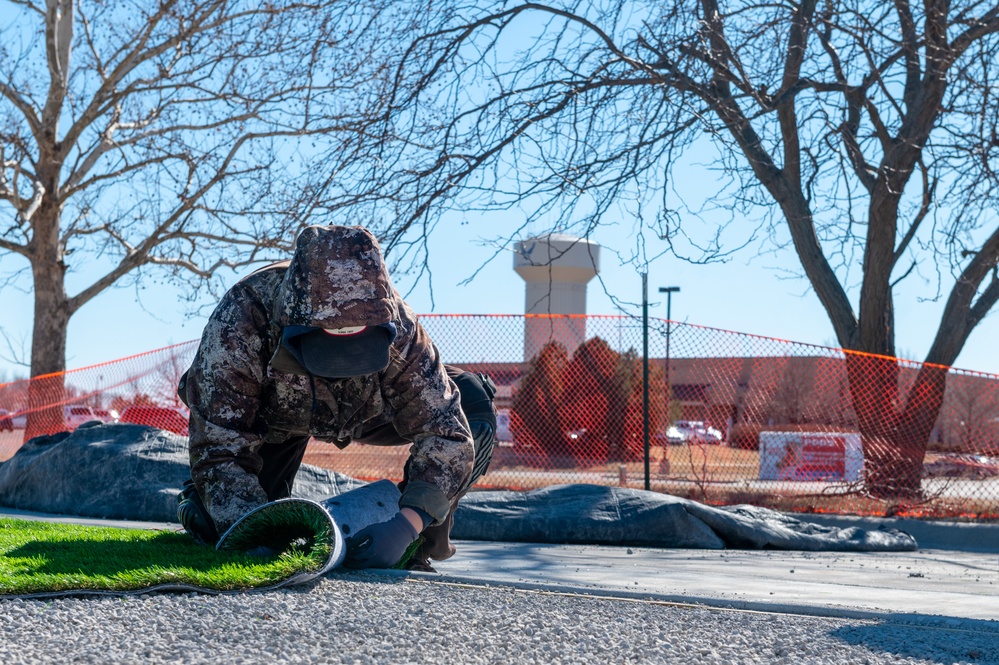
<point>732,418</point>
<point>140,389</point>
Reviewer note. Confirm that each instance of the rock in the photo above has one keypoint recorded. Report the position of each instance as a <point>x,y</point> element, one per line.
<point>119,471</point>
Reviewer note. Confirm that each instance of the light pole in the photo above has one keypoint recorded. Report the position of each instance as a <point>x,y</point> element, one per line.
<point>669,291</point>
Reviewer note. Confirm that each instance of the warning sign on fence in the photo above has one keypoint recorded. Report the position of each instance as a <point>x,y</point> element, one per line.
<point>808,456</point>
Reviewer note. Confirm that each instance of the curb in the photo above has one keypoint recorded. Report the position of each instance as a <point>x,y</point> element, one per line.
<point>842,612</point>
<point>929,535</point>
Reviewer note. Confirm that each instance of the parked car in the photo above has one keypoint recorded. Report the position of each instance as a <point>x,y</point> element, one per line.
<point>77,414</point>
<point>697,431</point>
<point>957,465</point>
<point>73,416</point>
<point>107,415</point>
<point>19,419</point>
<point>671,437</point>
<point>156,416</point>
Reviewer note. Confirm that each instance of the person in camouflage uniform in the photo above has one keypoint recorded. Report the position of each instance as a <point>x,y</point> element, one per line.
<point>323,346</point>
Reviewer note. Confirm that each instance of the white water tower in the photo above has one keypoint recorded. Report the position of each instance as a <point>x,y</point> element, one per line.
<point>556,268</point>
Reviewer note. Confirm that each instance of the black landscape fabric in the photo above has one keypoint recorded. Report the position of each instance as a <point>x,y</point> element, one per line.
<point>597,515</point>
<point>135,472</point>
<point>119,471</point>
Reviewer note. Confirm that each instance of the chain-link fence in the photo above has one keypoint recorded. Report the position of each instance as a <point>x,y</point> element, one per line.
<point>139,389</point>
<point>730,418</point>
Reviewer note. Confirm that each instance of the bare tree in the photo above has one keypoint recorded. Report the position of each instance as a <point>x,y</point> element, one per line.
<point>177,135</point>
<point>970,413</point>
<point>811,391</point>
<point>791,402</point>
<point>862,133</point>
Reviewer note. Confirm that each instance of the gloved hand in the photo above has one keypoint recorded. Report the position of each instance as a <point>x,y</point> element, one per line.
<point>380,545</point>
<point>193,516</point>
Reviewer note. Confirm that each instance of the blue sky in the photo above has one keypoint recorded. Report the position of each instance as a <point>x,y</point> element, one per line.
<point>749,293</point>
<point>756,290</point>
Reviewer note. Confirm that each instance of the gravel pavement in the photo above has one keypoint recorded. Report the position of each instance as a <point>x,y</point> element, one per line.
<point>523,603</point>
<point>391,618</point>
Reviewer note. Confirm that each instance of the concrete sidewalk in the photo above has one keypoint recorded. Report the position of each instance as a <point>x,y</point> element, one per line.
<point>952,578</point>
<point>947,584</point>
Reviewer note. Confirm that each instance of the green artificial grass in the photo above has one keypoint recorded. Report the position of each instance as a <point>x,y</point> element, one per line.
<point>280,525</point>
<point>289,523</point>
<point>408,554</point>
<point>37,557</point>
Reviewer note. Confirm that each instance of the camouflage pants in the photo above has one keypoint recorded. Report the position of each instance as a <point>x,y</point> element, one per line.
<point>282,460</point>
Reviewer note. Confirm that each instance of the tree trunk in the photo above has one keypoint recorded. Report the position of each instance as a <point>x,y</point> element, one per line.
<point>46,395</point>
<point>894,437</point>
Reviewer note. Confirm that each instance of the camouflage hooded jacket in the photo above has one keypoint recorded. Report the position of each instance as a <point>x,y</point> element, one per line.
<point>239,400</point>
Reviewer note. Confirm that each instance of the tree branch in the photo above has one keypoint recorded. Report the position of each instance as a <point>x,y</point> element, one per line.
<point>910,51</point>
<point>961,312</point>
<point>11,246</point>
<point>30,5</point>
<point>142,253</point>
<point>786,115</point>
<point>929,189</point>
<point>58,47</point>
<point>987,24</point>
<point>22,105</point>
<point>791,199</point>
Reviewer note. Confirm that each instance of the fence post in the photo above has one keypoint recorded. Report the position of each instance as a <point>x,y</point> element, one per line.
<point>645,373</point>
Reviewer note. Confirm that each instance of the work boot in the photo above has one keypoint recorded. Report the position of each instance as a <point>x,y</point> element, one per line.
<point>437,539</point>
<point>420,565</point>
<point>193,515</point>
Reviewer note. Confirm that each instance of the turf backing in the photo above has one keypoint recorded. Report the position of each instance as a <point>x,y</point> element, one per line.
<point>39,557</point>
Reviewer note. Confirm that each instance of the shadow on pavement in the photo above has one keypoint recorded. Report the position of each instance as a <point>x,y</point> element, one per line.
<point>931,638</point>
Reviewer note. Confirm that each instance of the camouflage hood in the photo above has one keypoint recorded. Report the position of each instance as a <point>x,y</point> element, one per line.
<point>337,278</point>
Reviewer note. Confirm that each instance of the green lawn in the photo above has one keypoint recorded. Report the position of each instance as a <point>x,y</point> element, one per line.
<point>44,557</point>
